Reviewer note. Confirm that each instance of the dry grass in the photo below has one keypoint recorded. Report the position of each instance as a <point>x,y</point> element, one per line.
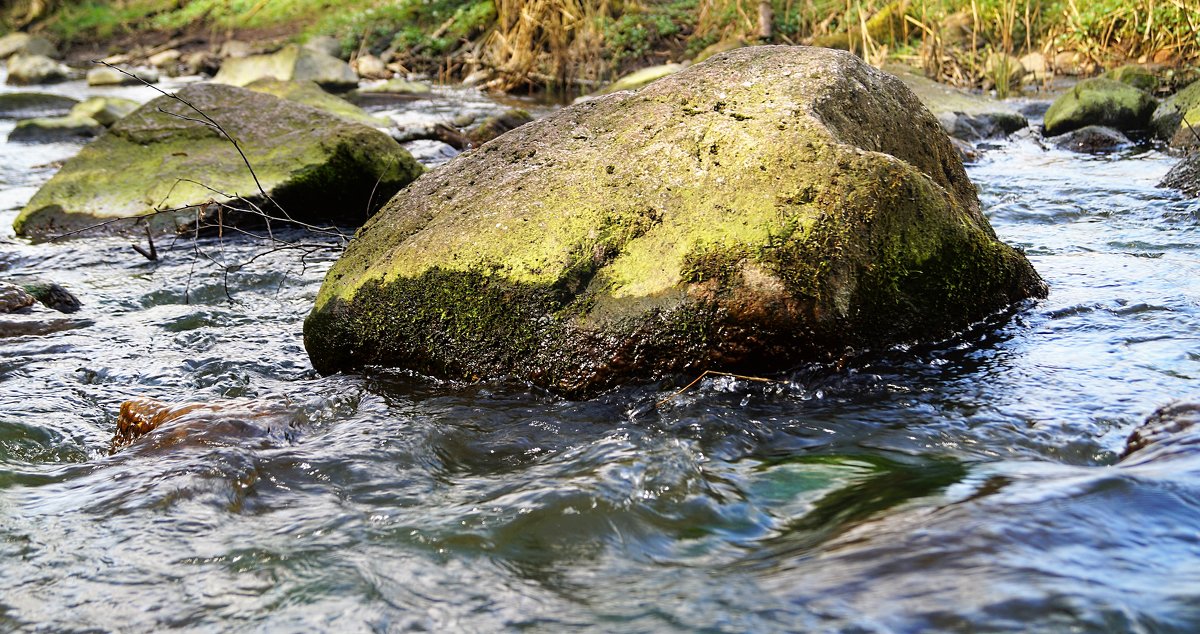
<point>555,42</point>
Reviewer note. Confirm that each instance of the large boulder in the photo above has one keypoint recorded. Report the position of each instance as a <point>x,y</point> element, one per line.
<point>1100,101</point>
<point>24,105</point>
<point>25,70</point>
<point>26,44</point>
<point>963,115</point>
<point>770,205</point>
<point>315,165</point>
<point>291,63</point>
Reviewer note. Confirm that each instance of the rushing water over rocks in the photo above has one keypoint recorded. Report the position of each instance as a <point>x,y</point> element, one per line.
<point>967,485</point>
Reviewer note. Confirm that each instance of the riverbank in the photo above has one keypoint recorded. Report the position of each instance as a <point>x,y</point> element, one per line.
<point>574,47</point>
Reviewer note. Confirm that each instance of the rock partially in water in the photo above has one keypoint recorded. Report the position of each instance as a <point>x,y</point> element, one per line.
<point>1169,430</point>
<point>25,70</point>
<point>72,128</point>
<point>1100,101</point>
<point>105,110</point>
<point>27,105</point>
<point>771,205</point>
<point>14,298</point>
<point>26,44</point>
<point>1168,117</point>
<point>317,166</point>
<point>494,126</point>
<point>1092,139</point>
<point>109,76</point>
<point>54,296</point>
<point>963,115</point>
<point>292,63</point>
<point>1185,176</point>
<point>310,94</point>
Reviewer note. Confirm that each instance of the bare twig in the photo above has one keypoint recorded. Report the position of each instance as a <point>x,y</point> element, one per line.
<point>152,254</point>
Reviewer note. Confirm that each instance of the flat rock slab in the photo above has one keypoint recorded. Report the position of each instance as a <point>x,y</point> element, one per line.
<point>769,206</point>
<point>318,166</point>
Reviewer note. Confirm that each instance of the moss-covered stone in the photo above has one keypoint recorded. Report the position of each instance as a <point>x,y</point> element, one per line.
<point>315,165</point>
<point>963,115</point>
<point>1100,101</point>
<point>641,77</point>
<point>1137,76</point>
<point>310,94</point>
<point>771,205</point>
<point>1169,115</point>
<point>291,63</point>
<point>68,129</point>
<point>105,110</point>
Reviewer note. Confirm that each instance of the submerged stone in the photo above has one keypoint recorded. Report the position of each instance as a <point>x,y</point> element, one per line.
<point>769,206</point>
<point>315,165</point>
<point>1100,101</point>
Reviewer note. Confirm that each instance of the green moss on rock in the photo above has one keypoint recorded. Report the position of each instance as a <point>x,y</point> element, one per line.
<point>1100,101</point>
<point>1168,117</point>
<point>318,166</point>
<point>765,207</point>
<point>310,94</point>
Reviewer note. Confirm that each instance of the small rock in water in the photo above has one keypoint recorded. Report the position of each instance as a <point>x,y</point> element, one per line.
<point>54,296</point>
<point>14,298</point>
<point>110,76</point>
<point>1092,139</point>
<point>1185,176</point>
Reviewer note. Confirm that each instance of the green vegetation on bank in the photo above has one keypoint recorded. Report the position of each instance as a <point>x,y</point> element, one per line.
<point>582,41</point>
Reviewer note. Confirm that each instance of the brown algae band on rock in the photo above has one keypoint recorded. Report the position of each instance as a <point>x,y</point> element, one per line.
<point>765,207</point>
<point>317,166</point>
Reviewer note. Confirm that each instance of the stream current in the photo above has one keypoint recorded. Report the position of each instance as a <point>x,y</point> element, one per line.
<point>965,485</point>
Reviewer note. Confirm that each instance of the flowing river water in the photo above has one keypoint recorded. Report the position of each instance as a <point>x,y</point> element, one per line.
<point>965,485</point>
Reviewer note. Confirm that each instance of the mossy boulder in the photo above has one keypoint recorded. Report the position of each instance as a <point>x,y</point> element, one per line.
<point>291,63</point>
<point>25,105</point>
<point>317,166</point>
<point>1100,101</point>
<point>71,128</point>
<point>1168,117</point>
<point>310,94</point>
<point>963,115</point>
<point>768,206</point>
<point>1139,77</point>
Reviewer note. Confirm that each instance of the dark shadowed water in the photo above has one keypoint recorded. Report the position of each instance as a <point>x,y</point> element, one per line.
<point>968,485</point>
